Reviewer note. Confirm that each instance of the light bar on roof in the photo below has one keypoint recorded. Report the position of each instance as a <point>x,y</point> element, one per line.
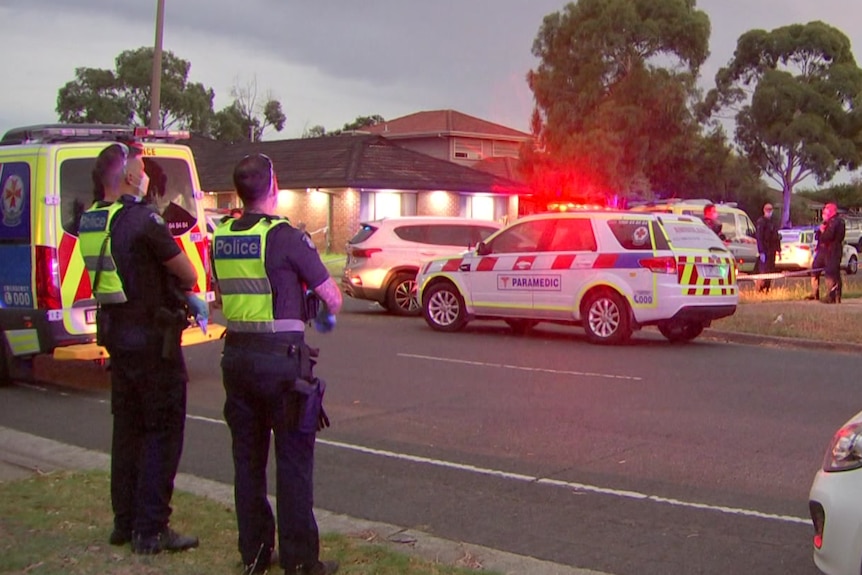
<point>143,132</point>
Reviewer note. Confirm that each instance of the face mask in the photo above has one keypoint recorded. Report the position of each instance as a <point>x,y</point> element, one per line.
<point>143,184</point>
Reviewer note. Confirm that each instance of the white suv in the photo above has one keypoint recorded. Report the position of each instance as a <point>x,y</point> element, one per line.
<point>611,272</point>
<point>384,255</point>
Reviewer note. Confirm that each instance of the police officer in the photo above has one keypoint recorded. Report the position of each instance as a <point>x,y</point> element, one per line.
<point>264,268</point>
<point>830,247</point>
<point>138,274</point>
<point>710,218</point>
<point>768,246</point>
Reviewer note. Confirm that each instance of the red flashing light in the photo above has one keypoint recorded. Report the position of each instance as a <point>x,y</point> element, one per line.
<point>47,279</point>
<point>144,133</point>
<point>364,252</point>
<point>660,265</point>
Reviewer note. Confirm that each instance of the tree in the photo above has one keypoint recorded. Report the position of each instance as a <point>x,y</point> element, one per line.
<point>797,93</point>
<point>316,131</point>
<point>360,122</point>
<point>123,95</point>
<point>363,122</point>
<point>615,85</point>
<point>247,118</point>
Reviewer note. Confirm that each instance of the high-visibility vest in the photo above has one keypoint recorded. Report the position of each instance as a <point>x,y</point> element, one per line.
<point>94,238</point>
<point>240,266</point>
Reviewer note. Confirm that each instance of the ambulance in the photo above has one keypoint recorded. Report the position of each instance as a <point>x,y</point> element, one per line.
<point>611,272</point>
<point>46,303</point>
<point>736,226</point>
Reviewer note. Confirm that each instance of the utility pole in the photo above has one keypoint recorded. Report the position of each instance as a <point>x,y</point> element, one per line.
<point>156,84</point>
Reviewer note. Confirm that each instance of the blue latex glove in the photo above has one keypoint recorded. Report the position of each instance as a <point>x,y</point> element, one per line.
<point>324,322</point>
<point>763,258</point>
<point>199,309</point>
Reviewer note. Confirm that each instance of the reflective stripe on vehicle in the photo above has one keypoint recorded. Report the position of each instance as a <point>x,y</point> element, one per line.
<point>693,283</point>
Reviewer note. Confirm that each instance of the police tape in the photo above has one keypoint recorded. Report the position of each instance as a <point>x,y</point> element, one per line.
<point>778,275</point>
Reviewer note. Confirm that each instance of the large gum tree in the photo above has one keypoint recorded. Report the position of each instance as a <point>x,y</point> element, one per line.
<point>796,95</point>
<point>614,90</point>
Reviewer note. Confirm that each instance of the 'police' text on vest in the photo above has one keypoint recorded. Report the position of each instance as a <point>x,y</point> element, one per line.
<point>247,247</point>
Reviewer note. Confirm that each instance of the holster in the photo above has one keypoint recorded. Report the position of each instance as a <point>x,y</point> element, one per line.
<point>103,327</point>
<point>171,322</point>
<point>304,401</point>
<point>312,305</point>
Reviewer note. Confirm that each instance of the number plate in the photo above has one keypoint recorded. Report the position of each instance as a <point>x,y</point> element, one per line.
<point>712,272</point>
<point>90,316</point>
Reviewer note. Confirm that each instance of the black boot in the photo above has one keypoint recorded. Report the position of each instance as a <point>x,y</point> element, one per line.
<point>167,540</point>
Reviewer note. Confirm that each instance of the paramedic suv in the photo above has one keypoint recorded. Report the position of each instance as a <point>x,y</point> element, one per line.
<point>610,272</point>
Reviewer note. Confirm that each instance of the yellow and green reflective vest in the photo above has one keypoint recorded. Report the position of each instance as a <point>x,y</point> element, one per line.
<point>239,259</point>
<point>95,240</point>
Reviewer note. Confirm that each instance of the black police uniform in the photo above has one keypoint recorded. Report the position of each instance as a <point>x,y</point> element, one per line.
<point>148,373</point>
<point>768,244</point>
<point>831,248</point>
<point>258,370</point>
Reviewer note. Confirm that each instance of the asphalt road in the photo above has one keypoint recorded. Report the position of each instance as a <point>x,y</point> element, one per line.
<point>645,459</point>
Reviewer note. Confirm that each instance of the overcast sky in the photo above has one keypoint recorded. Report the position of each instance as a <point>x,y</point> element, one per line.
<point>329,61</point>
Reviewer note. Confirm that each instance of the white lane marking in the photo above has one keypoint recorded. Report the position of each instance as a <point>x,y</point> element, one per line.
<point>582,487</point>
<point>521,367</point>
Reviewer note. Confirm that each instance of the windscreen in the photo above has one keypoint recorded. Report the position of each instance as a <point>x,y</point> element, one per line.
<point>688,233</point>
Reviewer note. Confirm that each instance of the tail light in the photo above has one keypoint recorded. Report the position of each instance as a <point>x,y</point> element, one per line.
<point>805,247</point>
<point>47,279</point>
<point>364,252</point>
<point>660,265</point>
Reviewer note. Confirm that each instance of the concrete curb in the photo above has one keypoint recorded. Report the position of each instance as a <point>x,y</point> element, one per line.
<point>794,342</point>
<point>22,454</point>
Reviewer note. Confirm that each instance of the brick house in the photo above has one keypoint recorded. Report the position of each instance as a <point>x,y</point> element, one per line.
<point>331,184</point>
<point>457,137</point>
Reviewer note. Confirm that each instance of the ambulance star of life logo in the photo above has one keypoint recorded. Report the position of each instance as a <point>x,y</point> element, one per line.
<point>13,200</point>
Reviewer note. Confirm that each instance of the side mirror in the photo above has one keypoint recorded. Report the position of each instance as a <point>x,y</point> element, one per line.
<point>482,249</point>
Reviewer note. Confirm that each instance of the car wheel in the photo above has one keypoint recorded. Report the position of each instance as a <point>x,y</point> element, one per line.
<point>521,326</point>
<point>401,295</point>
<point>444,308</point>
<point>852,266</point>
<point>680,331</point>
<point>606,317</point>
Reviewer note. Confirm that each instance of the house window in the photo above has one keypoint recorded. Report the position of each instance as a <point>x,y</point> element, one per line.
<point>506,149</point>
<point>467,149</point>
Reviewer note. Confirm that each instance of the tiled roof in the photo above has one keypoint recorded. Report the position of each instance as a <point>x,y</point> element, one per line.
<point>348,161</point>
<point>446,122</point>
<point>501,167</point>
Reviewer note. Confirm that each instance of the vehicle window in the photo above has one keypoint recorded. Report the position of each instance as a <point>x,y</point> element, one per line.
<point>747,227</point>
<point>524,237</point>
<point>573,235</point>
<point>171,192</point>
<point>76,191</point>
<point>412,233</point>
<point>365,232</point>
<point>481,233</point>
<point>791,236</point>
<point>631,234</point>
<point>728,225</point>
<point>449,235</point>
<point>683,234</point>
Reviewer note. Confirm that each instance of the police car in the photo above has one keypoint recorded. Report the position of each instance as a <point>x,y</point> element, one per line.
<point>46,304</point>
<point>611,272</point>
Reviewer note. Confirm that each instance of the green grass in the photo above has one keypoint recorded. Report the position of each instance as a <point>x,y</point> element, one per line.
<point>58,523</point>
<point>334,264</point>
<point>783,312</point>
